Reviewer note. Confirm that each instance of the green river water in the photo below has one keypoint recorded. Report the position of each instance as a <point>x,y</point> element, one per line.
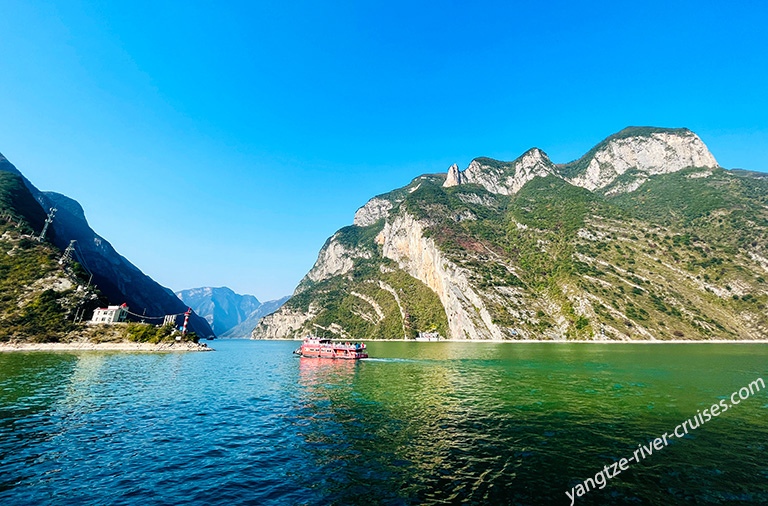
<point>418,423</point>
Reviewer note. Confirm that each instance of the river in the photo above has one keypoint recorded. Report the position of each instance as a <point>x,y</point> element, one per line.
<point>418,423</point>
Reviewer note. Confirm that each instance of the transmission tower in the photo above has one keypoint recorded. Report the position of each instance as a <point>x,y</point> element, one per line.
<point>67,256</point>
<point>48,221</point>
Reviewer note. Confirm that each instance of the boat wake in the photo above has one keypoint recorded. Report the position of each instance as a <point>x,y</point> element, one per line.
<point>388,360</point>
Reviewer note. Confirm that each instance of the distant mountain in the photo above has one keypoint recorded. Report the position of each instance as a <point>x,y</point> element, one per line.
<point>244,329</point>
<point>117,278</point>
<point>645,237</point>
<point>228,313</point>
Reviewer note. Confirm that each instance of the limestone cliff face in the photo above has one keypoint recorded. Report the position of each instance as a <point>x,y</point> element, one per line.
<point>652,154</point>
<point>454,177</point>
<point>373,211</point>
<point>528,249</point>
<point>335,259</point>
<point>646,151</point>
<point>283,324</point>
<point>403,241</point>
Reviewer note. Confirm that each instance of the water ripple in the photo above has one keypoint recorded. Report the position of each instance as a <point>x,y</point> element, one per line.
<point>433,423</point>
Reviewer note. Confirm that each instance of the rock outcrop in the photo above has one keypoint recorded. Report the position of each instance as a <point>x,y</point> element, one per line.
<point>285,323</point>
<point>403,240</point>
<point>529,249</point>
<point>335,259</point>
<point>374,210</point>
<point>643,151</point>
<point>504,178</point>
<point>454,176</point>
<point>650,153</point>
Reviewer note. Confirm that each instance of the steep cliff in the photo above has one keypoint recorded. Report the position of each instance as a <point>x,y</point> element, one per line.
<point>117,278</point>
<point>221,307</point>
<point>39,296</point>
<point>644,237</point>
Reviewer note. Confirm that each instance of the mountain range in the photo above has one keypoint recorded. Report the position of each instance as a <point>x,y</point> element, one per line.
<point>229,314</point>
<point>645,237</point>
<point>117,278</point>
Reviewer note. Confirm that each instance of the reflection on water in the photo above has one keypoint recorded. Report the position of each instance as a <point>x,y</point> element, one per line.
<point>341,434</point>
<point>501,424</point>
<point>420,423</point>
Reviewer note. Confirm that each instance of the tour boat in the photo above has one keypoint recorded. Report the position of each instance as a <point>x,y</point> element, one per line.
<point>318,347</point>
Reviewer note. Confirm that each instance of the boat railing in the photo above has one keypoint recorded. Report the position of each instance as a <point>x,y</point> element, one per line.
<point>349,346</point>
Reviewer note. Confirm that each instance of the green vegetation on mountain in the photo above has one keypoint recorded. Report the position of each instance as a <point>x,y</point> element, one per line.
<point>117,278</point>
<point>675,257</point>
<point>682,256</point>
<point>146,333</point>
<point>38,297</point>
<point>379,301</point>
<point>18,206</point>
<point>29,306</point>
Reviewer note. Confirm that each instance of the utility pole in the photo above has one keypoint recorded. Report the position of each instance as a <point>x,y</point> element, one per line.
<point>48,221</point>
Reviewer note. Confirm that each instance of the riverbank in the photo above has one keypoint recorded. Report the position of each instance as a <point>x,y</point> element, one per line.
<point>552,341</point>
<point>167,347</point>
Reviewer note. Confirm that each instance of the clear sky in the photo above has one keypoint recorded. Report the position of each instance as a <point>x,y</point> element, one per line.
<point>221,143</point>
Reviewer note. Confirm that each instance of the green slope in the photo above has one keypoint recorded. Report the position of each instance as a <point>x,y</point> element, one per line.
<point>679,258</point>
<point>38,297</point>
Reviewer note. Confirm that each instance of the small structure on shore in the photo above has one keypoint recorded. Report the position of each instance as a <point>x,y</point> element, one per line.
<point>428,336</point>
<point>110,314</point>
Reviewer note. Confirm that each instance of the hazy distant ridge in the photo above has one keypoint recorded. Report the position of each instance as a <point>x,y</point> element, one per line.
<point>230,314</point>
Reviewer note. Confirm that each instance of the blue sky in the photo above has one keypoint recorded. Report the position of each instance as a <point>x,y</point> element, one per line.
<point>221,143</point>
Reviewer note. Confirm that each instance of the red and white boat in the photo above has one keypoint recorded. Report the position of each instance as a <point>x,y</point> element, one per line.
<point>318,347</point>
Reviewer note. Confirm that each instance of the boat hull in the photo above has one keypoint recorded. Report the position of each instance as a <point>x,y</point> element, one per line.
<point>316,348</point>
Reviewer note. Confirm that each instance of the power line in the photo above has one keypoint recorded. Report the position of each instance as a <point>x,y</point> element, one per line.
<point>151,317</point>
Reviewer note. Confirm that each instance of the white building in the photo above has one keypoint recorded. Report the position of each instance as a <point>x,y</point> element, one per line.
<point>110,314</point>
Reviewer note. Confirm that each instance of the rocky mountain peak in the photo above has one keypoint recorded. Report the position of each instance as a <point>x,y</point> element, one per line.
<point>231,315</point>
<point>532,158</point>
<point>505,178</point>
<point>647,151</point>
<point>454,176</point>
<point>553,252</point>
<point>642,151</point>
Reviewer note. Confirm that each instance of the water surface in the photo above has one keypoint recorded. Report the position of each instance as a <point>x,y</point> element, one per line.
<point>420,423</point>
